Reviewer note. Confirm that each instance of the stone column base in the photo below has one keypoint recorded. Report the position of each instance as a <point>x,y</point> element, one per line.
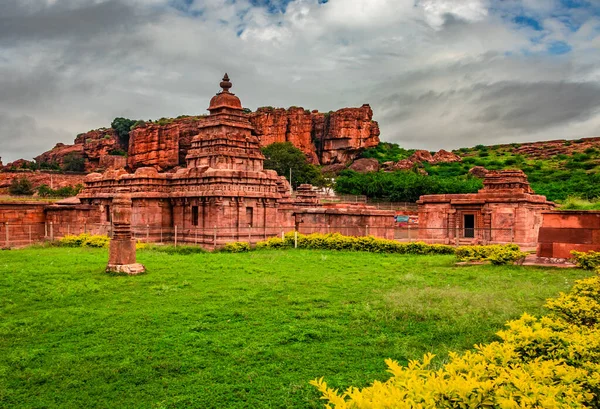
<point>131,269</point>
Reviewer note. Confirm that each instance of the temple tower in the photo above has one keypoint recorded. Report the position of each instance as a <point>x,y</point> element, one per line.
<point>225,140</point>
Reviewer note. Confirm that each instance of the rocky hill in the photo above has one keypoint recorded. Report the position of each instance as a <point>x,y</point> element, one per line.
<point>325,138</point>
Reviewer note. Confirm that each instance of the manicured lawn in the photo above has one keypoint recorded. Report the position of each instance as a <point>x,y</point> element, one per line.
<point>239,330</point>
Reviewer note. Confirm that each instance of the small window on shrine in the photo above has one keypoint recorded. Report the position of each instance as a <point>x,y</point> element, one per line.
<point>249,216</point>
<point>194,215</point>
<point>107,213</point>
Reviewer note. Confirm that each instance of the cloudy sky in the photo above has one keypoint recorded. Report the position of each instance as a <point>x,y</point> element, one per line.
<point>438,73</point>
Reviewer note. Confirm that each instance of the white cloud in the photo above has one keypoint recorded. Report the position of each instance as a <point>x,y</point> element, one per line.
<point>424,67</point>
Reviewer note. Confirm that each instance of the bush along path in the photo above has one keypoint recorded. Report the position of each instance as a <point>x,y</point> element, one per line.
<point>550,362</point>
<point>496,254</point>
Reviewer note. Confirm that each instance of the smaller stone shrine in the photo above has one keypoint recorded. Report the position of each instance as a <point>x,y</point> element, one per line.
<point>506,210</point>
<point>121,254</point>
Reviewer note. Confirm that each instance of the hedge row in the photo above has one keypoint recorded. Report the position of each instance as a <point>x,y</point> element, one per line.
<point>84,240</point>
<point>336,241</point>
<point>497,254</point>
<point>551,362</point>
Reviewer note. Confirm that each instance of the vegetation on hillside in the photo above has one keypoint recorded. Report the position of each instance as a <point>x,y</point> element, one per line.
<point>282,157</point>
<point>122,126</point>
<point>557,177</point>
<point>403,186</point>
<point>21,187</point>
<point>387,152</point>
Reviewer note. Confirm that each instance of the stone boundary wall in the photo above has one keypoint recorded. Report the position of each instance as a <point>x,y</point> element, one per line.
<point>38,178</point>
<point>359,221</point>
<point>22,223</point>
<point>564,231</point>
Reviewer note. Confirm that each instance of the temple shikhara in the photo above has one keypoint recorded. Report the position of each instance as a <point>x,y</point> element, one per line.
<point>223,194</point>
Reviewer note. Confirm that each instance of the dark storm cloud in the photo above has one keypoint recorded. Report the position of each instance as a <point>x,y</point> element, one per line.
<point>23,20</point>
<point>535,106</point>
<point>23,137</point>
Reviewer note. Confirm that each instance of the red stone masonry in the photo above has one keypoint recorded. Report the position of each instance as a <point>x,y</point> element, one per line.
<point>564,231</point>
<point>505,211</point>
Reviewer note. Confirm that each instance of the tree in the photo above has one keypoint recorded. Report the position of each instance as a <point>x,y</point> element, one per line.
<point>21,187</point>
<point>74,163</point>
<point>122,126</point>
<point>281,157</point>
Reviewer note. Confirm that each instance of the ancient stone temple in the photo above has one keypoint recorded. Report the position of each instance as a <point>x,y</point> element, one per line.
<point>222,195</point>
<point>506,210</point>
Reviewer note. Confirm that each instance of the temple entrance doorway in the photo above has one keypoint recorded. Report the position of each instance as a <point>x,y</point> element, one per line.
<point>469,226</point>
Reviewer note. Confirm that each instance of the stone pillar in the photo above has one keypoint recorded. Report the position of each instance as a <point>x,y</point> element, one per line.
<point>121,254</point>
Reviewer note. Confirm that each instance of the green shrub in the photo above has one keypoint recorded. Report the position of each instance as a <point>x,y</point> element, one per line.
<point>84,240</point>
<point>552,362</point>
<point>21,187</point>
<point>273,243</point>
<point>587,261</point>
<point>497,254</point>
<point>336,241</point>
<point>236,247</point>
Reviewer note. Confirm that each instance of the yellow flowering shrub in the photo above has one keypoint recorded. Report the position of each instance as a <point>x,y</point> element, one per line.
<point>589,260</point>
<point>497,254</point>
<point>337,241</point>
<point>84,240</point>
<point>550,362</point>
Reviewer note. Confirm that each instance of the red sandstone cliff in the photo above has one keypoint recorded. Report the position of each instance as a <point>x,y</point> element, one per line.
<point>163,146</point>
<point>97,148</point>
<point>325,138</point>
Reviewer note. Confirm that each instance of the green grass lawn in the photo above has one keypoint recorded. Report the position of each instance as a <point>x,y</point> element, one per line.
<point>239,330</point>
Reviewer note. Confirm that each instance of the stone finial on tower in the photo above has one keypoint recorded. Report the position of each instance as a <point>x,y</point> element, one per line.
<point>226,84</point>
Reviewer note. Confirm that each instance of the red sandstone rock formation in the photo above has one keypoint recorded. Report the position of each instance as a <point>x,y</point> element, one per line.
<point>336,137</point>
<point>96,147</point>
<point>422,156</point>
<point>444,156</point>
<point>59,153</point>
<point>478,171</point>
<point>365,165</point>
<point>18,164</point>
<point>38,178</point>
<point>163,146</point>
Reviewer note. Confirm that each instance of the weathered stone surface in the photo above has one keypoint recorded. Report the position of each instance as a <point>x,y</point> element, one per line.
<point>335,137</point>
<point>100,149</point>
<point>565,231</point>
<point>416,160</point>
<point>348,132</point>
<point>121,252</point>
<point>38,178</point>
<point>163,146</point>
<point>19,164</point>
<point>478,171</point>
<point>365,165</point>
<point>506,210</point>
<point>443,156</point>
<point>333,169</point>
<point>422,156</point>
<point>59,153</point>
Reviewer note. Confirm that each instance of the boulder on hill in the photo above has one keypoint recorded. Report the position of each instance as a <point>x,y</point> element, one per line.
<point>333,169</point>
<point>365,165</point>
<point>421,156</point>
<point>478,172</point>
<point>444,156</point>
